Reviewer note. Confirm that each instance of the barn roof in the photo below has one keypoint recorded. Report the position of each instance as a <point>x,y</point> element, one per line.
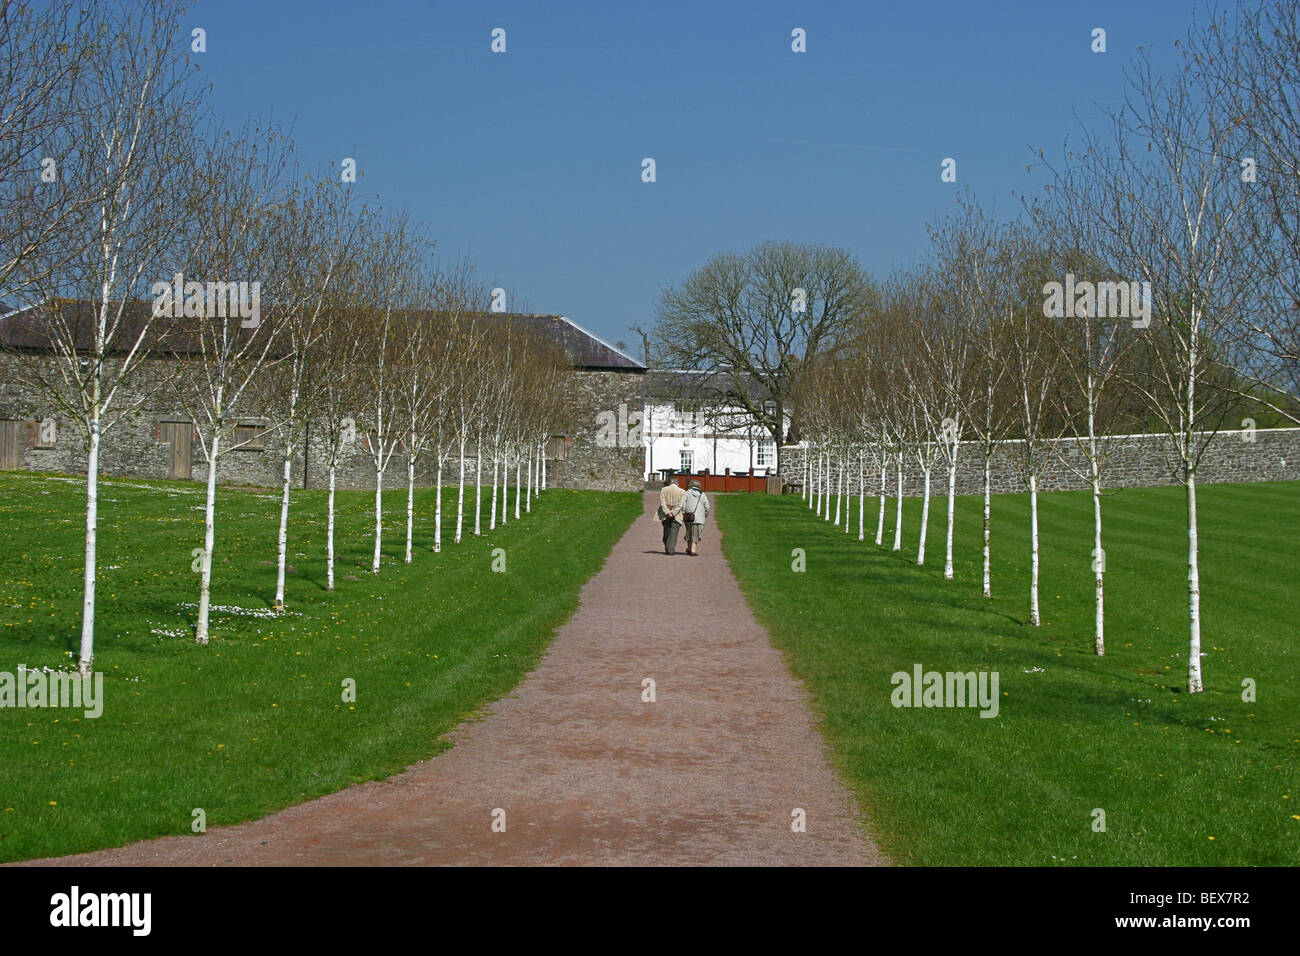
<point>688,385</point>
<point>26,329</point>
<point>584,348</point>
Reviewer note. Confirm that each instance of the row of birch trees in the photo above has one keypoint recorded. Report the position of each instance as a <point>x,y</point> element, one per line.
<point>1192,190</point>
<point>147,250</point>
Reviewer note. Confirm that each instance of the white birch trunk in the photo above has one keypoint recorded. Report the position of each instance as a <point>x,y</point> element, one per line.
<point>209,536</point>
<point>898,512</point>
<point>460,495</point>
<point>528,496</point>
<point>437,506</point>
<point>807,475</point>
<point>952,512</point>
<point>410,505</point>
<point>925,517</point>
<point>1098,563</point>
<point>839,493</point>
<point>505,488</point>
<point>541,482</point>
<point>812,481</point>
<point>848,494</point>
<point>86,660</point>
<point>815,501</point>
<point>862,494</point>
<point>492,512</point>
<point>282,541</point>
<point>518,476</point>
<point>1195,684</point>
<point>880,518</point>
<point>1033,564</point>
<point>379,517</point>
<point>478,487</point>
<point>830,484</point>
<point>329,534</point>
<point>988,500</point>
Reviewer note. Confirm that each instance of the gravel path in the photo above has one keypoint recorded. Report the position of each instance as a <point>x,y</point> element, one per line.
<point>586,772</point>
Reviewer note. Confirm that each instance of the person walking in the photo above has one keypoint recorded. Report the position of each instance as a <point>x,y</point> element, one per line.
<point>695,511</point>
<point>671,498</point>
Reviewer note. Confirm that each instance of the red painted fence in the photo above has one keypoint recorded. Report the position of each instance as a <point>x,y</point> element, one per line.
<point>726,482</point>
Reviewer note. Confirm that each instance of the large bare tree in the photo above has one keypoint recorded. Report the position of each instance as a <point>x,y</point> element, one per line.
<point>750,321</point>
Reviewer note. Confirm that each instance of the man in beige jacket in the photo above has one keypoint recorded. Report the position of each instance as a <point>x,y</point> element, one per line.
<point>671,498</point>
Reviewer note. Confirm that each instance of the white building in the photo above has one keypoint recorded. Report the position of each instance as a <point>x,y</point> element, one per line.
<point>690,427</point>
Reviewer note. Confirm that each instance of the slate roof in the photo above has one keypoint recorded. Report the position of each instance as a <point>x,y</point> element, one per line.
<point>585,349</point>
<point>24,329</point>
<point>677,385</point>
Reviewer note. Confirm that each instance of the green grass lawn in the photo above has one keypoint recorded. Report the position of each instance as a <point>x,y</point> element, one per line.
<point>256,721</point>
<point>1205,779</point>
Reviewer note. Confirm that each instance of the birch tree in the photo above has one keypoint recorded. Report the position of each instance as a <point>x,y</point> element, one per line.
<point>1093,351</point>
<point>1165,187</point>
<point>100,234</point>
<point>1034,365</point>
<point>311,249</point>
<point>425,379</point>
<point>223,344</point>
<point>468,402</point>
<point>393,253</point>
<point>336,364</point>
<point>969,276</point>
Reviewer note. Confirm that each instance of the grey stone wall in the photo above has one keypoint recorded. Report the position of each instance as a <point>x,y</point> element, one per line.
<point>615,461</point>
<point>1131,461</point>
<point>136,447</point>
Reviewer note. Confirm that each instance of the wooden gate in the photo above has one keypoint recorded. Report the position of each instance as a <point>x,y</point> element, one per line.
<point>10,445</point>
<point>177,435</point>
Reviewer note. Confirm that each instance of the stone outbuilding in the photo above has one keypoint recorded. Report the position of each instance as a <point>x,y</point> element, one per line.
<point>157,439</point>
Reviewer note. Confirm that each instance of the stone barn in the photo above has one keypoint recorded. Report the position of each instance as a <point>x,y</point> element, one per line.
<point>157,440</point>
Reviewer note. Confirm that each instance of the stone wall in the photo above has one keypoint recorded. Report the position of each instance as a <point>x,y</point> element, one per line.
<point>137,447</point>
<point>603,454</point>
<point>1131,461</point>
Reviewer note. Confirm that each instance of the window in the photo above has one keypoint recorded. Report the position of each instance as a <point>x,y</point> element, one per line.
<point>688,461</point>
<point>765,456</point>
<point>250,437</point>
<point>557,448</point>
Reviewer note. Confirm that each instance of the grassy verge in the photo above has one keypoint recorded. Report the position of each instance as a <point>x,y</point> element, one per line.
<point>1207,779</point>
<point>256,721</point>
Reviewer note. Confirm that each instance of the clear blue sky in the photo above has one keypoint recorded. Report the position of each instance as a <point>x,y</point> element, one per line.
<point>529,162</point>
